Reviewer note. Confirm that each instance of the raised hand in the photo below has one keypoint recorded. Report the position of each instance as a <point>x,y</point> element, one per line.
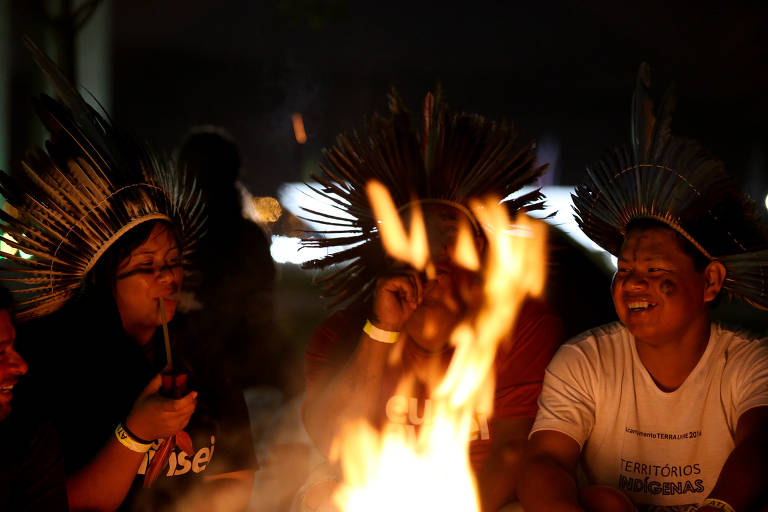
<point>396,297</point>
<point>154,416</point>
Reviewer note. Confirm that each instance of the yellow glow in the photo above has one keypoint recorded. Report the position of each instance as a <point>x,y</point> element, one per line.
<point>394,470</point>
<point>5,246</point>
<point>298,128</point>
<point>465,253</point>
<point>266,209</point>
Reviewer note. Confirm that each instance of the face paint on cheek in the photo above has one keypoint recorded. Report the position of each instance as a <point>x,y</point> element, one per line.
<point>667,287</point>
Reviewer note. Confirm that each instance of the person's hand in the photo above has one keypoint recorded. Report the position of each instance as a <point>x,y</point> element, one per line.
<point>603,498</point>
<point>156,417</point>
<point>395,298</point>
<point>319,497</point>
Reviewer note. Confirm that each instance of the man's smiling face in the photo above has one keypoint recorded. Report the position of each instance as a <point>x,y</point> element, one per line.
<point>12,366</point>
<point>656,291</point>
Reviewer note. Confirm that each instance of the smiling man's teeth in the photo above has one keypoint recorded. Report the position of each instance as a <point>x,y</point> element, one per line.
<point>638,305</point>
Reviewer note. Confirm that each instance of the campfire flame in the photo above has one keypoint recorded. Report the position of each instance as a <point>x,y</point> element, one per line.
<point>388,470</point>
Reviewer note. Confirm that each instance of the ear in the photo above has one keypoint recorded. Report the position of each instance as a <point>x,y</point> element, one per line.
<point>714,275</point>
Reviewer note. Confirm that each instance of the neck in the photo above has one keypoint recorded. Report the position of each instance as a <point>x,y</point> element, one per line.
<point>670,361</point>
<point>141,335</point>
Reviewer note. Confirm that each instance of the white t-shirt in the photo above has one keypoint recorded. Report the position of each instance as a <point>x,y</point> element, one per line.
<point>661,448</point>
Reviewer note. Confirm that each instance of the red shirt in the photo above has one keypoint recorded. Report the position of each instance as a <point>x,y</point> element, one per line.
<point>519,368</point>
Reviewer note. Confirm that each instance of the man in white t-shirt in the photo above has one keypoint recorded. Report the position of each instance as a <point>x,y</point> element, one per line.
<point>663,411</point>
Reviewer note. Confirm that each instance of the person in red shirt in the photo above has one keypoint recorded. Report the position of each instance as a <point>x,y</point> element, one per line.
<point>356,367</point>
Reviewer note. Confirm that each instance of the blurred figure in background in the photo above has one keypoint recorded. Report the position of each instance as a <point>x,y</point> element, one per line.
<point>233,285</point>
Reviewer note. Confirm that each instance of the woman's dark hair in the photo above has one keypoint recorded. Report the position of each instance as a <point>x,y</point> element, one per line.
<point>700,261</point>
<point>103,275</point>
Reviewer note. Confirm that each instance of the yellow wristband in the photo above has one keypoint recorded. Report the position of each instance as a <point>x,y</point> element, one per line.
<point>380,334</point>
<point>718,504</point>
<point>130,442</point>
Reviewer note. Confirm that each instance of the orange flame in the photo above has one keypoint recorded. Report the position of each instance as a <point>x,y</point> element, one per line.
<point>298,128</point>
<point>411,249</point>
<point>388,470</point>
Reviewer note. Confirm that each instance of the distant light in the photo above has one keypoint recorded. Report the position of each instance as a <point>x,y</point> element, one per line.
<point>294,196</point>
<point>9,249</point>
<point>298,128</point>
<point>766,201</point>
<point>266,209</point>
<point>285,249</point>
<point>5,246</point>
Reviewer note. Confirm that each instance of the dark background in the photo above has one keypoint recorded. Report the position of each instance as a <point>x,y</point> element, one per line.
<point>563,71</point>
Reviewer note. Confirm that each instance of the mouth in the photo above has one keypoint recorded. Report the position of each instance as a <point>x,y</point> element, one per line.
<point>636,306</point>
<point>7,389</point>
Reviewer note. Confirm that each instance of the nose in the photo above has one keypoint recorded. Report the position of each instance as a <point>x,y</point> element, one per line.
<point>166,275</point>
<point>635,281</point>
<point>17,363</point>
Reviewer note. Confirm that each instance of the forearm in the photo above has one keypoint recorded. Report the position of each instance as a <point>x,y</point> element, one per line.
<point>496,483</point>
<point>498,477</point>
<point>104,482</point>
<point>744,478</point>
<point>546,486</point>
<point>352,394</point>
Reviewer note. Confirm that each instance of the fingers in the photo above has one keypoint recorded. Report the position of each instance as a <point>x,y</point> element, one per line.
<point>186,403</point>
<point>153,386</point>
<point>419,287</point>
<point>407,287</point>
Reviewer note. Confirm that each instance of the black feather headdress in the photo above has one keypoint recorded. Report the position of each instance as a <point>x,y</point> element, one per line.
<point>675,181</point>
<point>442,157</point>
<point>73,200</point>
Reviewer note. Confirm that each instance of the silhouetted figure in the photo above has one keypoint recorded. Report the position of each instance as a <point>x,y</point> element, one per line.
<point>231,318</point>
<point>32,475</point>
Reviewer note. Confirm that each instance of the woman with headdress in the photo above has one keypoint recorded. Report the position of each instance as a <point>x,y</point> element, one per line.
<point>109,227</point>
<point>398,315</point>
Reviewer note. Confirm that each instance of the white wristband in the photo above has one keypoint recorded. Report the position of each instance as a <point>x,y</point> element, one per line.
<point>380,334</point>
<point>130,441</point>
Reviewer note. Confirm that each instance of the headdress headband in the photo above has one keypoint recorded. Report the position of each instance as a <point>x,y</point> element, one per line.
<point>675,181</point>
<point>73,200</point>
<point>452,158</point>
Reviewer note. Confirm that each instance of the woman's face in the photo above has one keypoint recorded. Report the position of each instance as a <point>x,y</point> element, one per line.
<point>152,270</point>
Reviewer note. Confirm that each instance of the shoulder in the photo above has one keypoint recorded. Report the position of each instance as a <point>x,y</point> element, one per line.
<point>608,337</point>
<point>334,340</point>
<point>339,326</point>
<point>742,350</point>
<point>599,348</point>
<point>538,325</point>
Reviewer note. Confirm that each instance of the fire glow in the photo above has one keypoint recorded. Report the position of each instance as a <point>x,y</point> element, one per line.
<point>388,470</point>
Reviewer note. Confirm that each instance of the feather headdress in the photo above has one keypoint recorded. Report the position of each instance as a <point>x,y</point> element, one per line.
<point>452,158</point>
<point>73,200</point>
<point>675,181</point>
